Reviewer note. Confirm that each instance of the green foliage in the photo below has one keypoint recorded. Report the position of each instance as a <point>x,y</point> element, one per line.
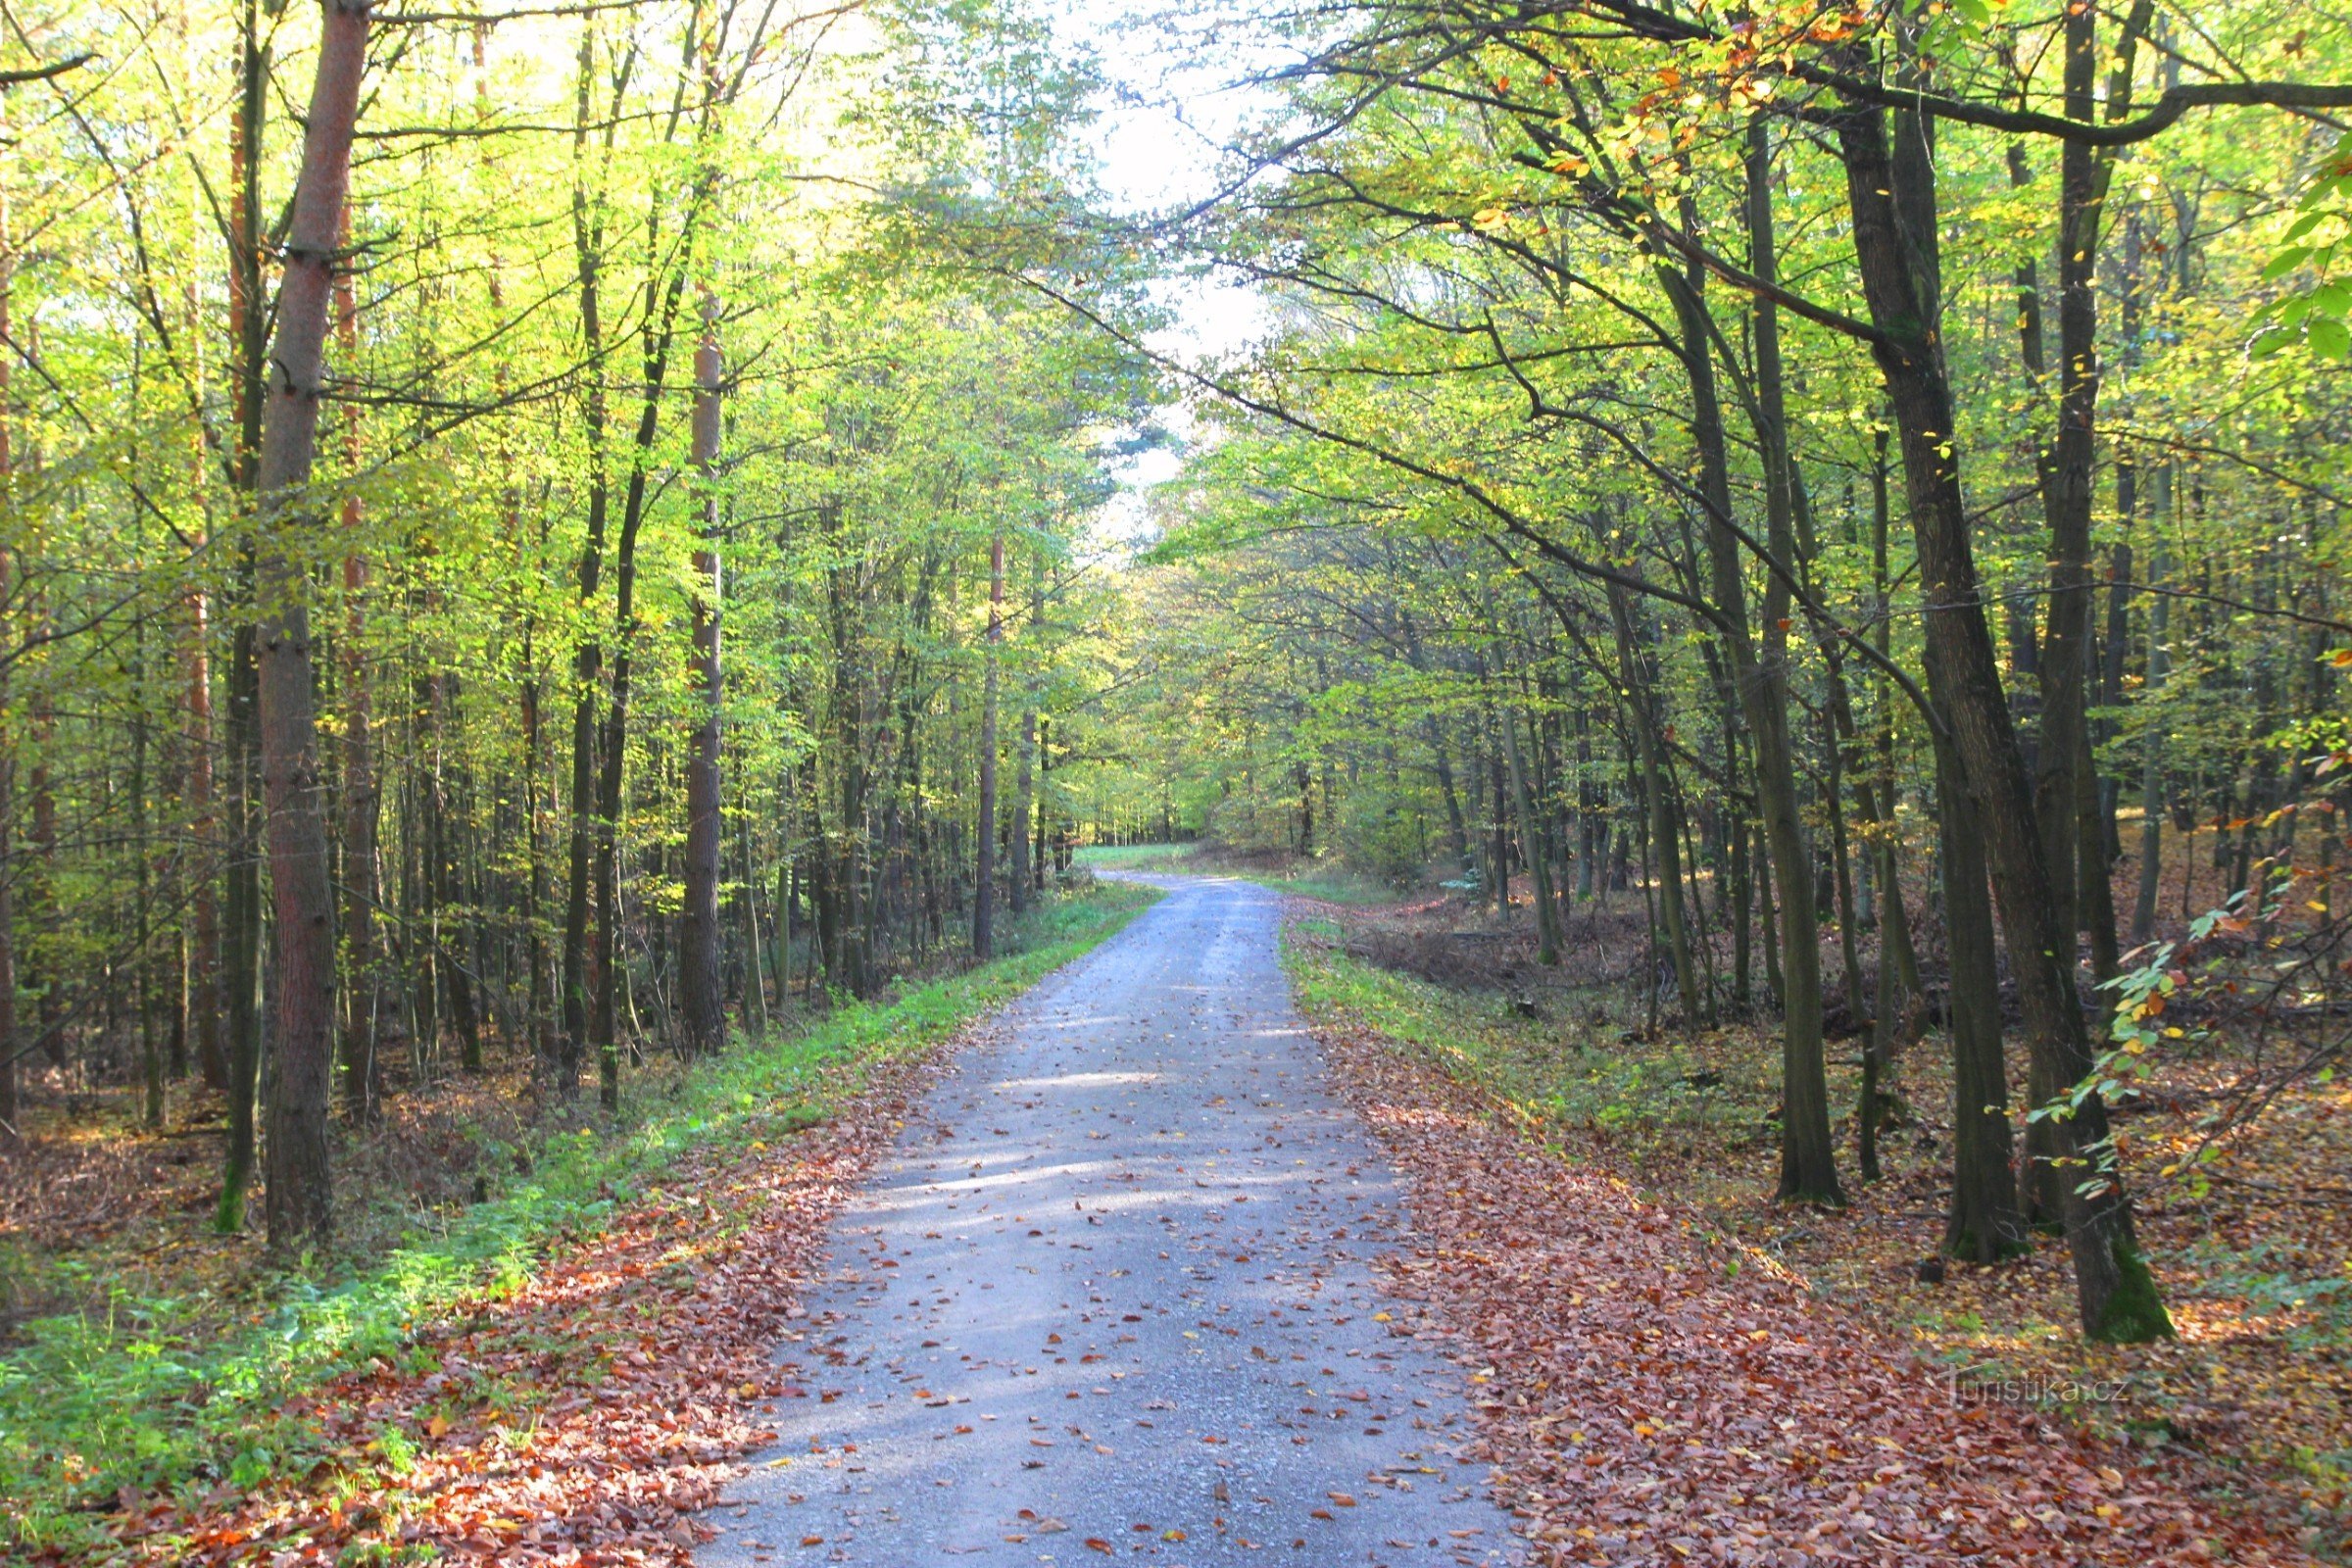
<point>154,1392</point>
<point>1382,836</point>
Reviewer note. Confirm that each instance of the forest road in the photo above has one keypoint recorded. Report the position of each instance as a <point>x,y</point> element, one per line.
<point>1111,1294</point>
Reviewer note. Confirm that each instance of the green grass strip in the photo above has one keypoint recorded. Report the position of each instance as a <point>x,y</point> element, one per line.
<point>181,1392</point>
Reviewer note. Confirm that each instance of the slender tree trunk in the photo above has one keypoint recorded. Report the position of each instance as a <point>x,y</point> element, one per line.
<point>1539,863</point>
<point>1633,664</point>
<point>361,801</point>
<point>11,1113</point>
<point>1808,1150</point>
<point>984,872</point>
<point>2151,767</point>
<point>701,988</point>
<point>145,965</point>
<point>1024,803</point>
<point>241,942</point>
<point>204,834</point>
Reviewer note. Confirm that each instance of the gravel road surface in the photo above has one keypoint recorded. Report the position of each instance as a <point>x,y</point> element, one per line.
<point>1109,1297</point>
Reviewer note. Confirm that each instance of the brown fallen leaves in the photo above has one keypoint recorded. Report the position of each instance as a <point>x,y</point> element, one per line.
<point>1644,1404</point>
<point>580,1419</point>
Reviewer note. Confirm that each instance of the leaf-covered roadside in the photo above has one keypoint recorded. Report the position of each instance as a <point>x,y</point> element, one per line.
<point>1651,1395</point>
<point>571,1404</point>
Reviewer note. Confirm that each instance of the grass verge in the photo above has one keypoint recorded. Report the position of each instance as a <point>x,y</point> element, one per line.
<point>158,1393</point>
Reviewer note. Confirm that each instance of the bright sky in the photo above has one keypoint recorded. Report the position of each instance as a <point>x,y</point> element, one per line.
<point>1160,136</point>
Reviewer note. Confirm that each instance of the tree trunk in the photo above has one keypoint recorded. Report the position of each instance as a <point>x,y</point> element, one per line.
<point>984,867</point>
<point>1984,1225</point>
<point>1894,236</point>
<point>362,802</point>
<point>701,988</point>
<point>1808,1150</point>
<point>1024,803</point>
<point>1530,844</point>
<point>1633,664</point>
<point>2152,767</point>
<point>301,1194</point>
<point>10,1116</point>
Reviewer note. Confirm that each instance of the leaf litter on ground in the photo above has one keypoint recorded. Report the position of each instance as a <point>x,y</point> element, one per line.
<point>1646,1398</point>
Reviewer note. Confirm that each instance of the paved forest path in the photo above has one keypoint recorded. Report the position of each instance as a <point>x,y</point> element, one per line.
<point>1115,1278</point>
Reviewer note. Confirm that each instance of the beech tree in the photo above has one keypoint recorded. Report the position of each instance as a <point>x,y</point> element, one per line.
<point>1724,342</point>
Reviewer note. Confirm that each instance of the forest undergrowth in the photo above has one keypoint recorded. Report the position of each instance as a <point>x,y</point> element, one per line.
<point>169,1394</point>
<point>2246,1404</point>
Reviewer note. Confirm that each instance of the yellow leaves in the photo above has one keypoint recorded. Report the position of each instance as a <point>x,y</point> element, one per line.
<point>1487,220</point>
<point>437,1428</point>
<point>1575,166</point>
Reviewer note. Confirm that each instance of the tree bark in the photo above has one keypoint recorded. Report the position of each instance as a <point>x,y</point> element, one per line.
<point>240,971</point>
<point>300,1202</point>
<point>2152,767</point>
<point>361,798</point>
<point>1984,1225</point>
<point>587,671</point>
<point>1024,803</point>
<point>984,864</point>
<point>1808,1150</point>
<point>1894,238</point>
<point>701,988</point>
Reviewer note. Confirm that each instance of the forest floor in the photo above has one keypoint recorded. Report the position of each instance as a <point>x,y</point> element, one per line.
<point>510,1278</point>
<point>2248,1410</point>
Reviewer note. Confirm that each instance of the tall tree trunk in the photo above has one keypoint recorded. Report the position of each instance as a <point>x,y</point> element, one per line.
<point>2152,743</point>
<point>204,834</point>
<point>1024,803</point>
<point>983,865</point>
<point>146,962</point>
<point>1894,237</point>
<point>2066,485</point>
<point>11,1114</point>
<point>301,1193</point>
<point>1808,1151</point>
<point>701,988</point>
<point>241,942</point>
<point>362,802</point>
